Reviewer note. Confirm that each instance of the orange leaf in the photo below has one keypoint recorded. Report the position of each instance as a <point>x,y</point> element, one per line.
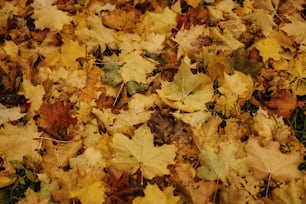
<point>284,103</point>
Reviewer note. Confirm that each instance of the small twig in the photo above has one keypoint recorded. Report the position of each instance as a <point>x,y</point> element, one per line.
<point>53,140</point>
<point>118,94</point>
<point>268,185</point>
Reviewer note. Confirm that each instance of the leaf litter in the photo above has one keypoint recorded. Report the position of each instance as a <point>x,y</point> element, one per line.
<point>152,101</point>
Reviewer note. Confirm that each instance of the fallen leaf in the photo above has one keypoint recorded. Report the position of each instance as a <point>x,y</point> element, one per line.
<point>269,48</point>
<point>93,193</point>
<point>284,102</point>
<point>154,195</point>
<point>290,193</point>
<point>18,140</point>
<point>140,153</point>
<point>219,165</point>
<point>187,92</point>
<point>265,161</point>
<point>55,119</point>
<point>50,17</point>
<point>10,114</point>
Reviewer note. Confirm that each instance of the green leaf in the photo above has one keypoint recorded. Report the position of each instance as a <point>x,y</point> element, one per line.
<point>17,165</point>
<point>135,87</point>
<point>240,62</point>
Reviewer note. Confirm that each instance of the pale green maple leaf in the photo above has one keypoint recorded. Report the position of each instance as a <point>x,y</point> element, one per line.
<point>139,152</point>
<point>219,165</point>
<point>188,92</point>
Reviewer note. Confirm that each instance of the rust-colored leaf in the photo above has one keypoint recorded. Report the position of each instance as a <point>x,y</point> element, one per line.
<point>55,119</point>
<point>284,103</point>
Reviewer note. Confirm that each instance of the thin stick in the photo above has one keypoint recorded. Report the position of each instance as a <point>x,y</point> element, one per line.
<point>268,185</point>
<point>118,94</point>
<point>53,140</point>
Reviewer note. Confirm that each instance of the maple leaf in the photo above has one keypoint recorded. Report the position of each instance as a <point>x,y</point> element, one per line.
<point>188,92</point>
<point>199,191</point>
<point>50,17</point>
<point>161,22</point>
<point>262,20</point>
<point>231,93</point>
<point>139,152</point>
<point>93,193</point>
<point>283,102</point>
<point>137,113</point>
<point>154,195</point>
<point>227,39</point>
<point>153,42</point>
<point>193,3</point>
<point>33,93</point>
<point>189,40</point>
<point>55,119</point>
<point>269,160</point>
<point>89,33</point>
<point>17,141</point>
<point>290,193</point>
<point>90,162</point>
<point>135,67</point>
<point>296,29</point>
<point>70,52</point>
<point>215,166</point>
<point>269,48</point>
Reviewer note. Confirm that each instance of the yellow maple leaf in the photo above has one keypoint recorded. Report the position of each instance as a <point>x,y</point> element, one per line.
<point>231,93</point>
<point>17,141</point>
<point>262,20</point>
<point>136,67</point>
<point>269,48</point>
<point>269,161</point>
<point>288,194</point>
<point>50,17</point>
<point>33,93</point>
<point>70,52</point>
<point>193,3</point>
<point>93,193</point>
<point>139,152</point>
<point>219,165</point>
<point>161,22</point>
<point>188,92</point>
<point>154,195</point>
<point>296,29</point>
<point>189,41</point>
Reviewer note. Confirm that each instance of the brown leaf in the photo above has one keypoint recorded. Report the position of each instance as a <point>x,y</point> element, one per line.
<point>105,101</point>
<point>55,119</point>
<point>283,102</point>
<point>121,20</point>
<point>123,189</point>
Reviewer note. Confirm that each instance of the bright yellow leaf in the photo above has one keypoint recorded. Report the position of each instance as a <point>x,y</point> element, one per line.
<point>187,92</point>
<point>154,195</point>
<point>269,48</point>
<point>140,152</point>
<point>91,194</point>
